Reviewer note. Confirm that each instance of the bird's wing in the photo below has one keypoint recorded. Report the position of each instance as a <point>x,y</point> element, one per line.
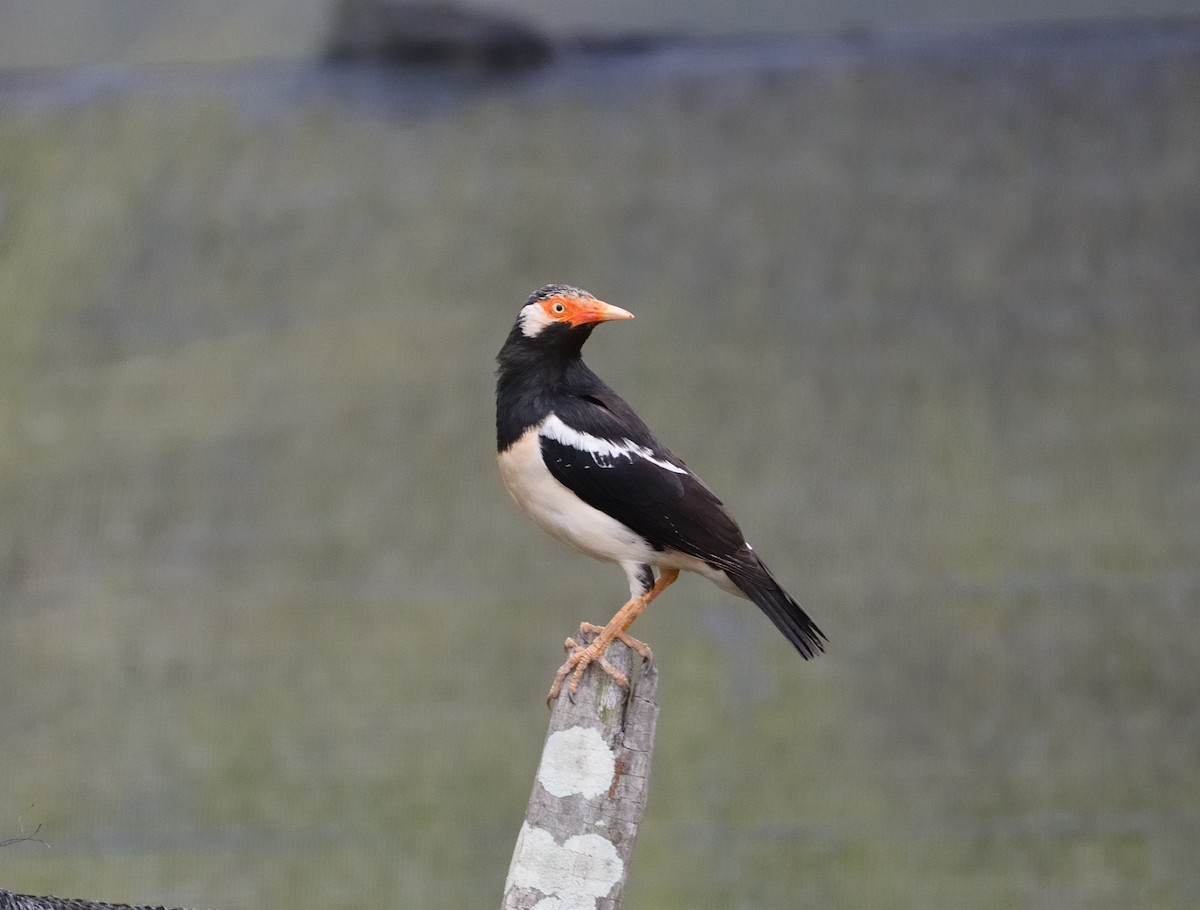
<point>597,447</point>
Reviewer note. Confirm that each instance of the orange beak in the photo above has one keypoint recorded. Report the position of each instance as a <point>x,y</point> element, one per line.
<point>598,311</point>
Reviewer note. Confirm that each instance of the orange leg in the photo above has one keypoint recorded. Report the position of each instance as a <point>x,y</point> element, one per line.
<point>580,657</point>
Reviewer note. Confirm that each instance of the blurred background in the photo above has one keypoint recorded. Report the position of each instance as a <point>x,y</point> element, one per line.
<point>916,292</point>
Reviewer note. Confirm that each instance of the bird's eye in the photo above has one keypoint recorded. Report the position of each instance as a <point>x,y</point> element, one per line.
<point>559,308</point>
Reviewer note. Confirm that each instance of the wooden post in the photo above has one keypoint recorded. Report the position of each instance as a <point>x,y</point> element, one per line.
<point>590,792</point>
<point>10,901</point>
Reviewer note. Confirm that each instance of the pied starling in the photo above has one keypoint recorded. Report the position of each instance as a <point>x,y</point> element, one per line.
<point>588,471</point>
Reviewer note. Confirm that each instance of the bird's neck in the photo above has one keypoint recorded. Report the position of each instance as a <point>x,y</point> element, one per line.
<point>527,390</point>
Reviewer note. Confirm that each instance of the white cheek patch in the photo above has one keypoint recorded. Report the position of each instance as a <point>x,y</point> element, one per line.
<point>533,320</point>
<point>604,452</point>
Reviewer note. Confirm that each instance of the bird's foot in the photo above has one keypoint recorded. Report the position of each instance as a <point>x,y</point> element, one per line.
<point>580,657</point>
<point>633,644</point>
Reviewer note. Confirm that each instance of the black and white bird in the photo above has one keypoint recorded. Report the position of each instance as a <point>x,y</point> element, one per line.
<point>588,471</point>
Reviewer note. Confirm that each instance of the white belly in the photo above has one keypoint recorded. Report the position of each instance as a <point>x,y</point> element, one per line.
<point>562,514</point>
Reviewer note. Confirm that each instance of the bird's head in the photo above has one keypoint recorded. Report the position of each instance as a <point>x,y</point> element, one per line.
<point>551,328</point>
<point>559,310</point>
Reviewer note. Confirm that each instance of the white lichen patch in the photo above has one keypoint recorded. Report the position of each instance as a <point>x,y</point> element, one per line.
<point>570,876</point>
<point>577,760</point>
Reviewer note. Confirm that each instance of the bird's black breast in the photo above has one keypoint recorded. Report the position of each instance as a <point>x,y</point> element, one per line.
<point>516,413</point>
<point>535,375</point>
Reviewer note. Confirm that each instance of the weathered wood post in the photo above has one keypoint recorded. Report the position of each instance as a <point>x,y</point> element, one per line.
<point>590,793</point>
<point>10,901</point>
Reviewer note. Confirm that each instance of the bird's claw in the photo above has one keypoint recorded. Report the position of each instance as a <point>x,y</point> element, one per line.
<point>580,657</point>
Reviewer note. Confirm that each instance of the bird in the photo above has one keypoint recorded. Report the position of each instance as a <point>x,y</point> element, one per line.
<point>585,468</point>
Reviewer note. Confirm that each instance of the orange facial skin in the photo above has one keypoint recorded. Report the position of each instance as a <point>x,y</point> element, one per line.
<point>577,311</point>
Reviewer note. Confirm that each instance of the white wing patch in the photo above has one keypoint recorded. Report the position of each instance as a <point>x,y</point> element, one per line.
<point>604,452</point>
<point>564,515</point>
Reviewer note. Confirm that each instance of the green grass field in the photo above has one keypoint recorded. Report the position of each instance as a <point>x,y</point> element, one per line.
<point>271,634</point>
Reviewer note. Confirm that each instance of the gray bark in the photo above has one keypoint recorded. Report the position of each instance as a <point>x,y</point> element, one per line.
<point>590,792</point>
<point>10,901</point>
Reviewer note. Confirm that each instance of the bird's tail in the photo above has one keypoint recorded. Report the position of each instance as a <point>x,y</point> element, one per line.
<point>760,586</point>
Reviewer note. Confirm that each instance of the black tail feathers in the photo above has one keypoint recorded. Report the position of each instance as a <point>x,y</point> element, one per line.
<point>797,627</point>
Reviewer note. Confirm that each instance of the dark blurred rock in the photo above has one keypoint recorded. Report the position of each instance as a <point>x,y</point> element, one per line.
<point>434,35</point>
